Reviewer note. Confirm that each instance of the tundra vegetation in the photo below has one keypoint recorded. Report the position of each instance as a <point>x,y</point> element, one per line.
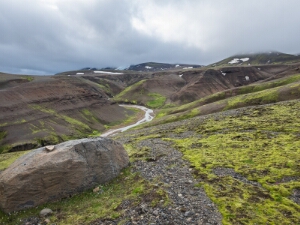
<point>259,145</point>
<point>243,146</point>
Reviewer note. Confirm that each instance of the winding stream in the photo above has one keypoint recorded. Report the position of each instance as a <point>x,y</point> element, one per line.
<point>148,117</point>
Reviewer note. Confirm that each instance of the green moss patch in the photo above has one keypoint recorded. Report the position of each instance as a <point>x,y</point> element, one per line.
<point>122,95</point>
<point>254,94</point>
<point>262,144</point>
<point>272,95</point>
<point>8,158</point>
<point>157,101</point>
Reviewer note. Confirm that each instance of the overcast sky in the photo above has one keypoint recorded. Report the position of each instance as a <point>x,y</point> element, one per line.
<point>50,36</point>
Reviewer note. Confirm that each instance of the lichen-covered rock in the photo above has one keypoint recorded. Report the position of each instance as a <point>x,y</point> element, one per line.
<point>74,166</point>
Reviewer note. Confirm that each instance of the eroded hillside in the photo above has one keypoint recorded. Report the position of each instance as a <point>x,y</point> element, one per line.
<point>37,111</point>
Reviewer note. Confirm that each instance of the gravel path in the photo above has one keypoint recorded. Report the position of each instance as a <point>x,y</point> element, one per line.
<point>190,204</point>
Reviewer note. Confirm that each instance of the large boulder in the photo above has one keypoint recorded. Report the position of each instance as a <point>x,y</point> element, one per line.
<point>42,176</point>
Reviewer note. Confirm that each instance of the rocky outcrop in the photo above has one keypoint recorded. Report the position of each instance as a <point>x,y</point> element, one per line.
<point>42,176</point>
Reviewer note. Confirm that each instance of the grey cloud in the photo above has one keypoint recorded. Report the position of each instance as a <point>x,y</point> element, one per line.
<point>49,36</point>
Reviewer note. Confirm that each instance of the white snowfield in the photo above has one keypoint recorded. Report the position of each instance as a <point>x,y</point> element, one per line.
<point>237,60</point>
<point>106,72</point>
<point>79,73</point>
<point>186,68</point>
<point>245,59</point>
<point>147,118</point>
<point>148,67</point>
<point>180,75</point>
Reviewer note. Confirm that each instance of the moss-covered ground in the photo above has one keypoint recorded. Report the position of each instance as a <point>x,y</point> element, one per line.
<point>270,92</point>
<point>260,143</point>
<point>89,206</point>
<point>157,100</point>
<point>137,94</point>
<point>226,94</point>
<point>9,158</point>
<point>263,145</point>
<point>129,93</point>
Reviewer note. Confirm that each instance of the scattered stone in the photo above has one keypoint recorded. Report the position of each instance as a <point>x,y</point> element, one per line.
<point>47,221</point>
<point>97,189</point>
<point>46,212</point>
<point>296,196</point>
<point>50,148</point>
<point>221,172</point>
<point>188,213</point>
<point>155,212</point>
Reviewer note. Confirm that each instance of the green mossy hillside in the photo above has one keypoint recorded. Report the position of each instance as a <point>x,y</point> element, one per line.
<point>257,150</point>
<point>139,94</point>
<point>157,100</point>
<point>131,93</point>
<point>262,144</point>
<point>285,89</point>
<point>229,93</point>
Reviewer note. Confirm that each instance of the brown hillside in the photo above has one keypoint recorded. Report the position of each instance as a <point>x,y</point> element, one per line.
<point>49,110</point>
<point>206,82</point>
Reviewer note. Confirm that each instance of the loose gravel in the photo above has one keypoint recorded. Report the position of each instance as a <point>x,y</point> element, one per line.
<point>189,204</point>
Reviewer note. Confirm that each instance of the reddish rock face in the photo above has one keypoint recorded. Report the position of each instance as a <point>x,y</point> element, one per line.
<point>74,166</point>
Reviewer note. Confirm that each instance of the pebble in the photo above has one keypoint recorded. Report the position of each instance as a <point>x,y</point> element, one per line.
<point>46,212</point>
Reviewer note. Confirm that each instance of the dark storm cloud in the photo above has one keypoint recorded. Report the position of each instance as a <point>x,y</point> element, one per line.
<point>49,36</point>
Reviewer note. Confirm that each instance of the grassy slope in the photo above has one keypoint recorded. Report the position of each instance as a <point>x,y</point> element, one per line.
<point>263,93</point>
<point>80,127</point>
<point>9,158</point>
<point>263,146</point>
<point>136,94</point>
<point>260,143</point>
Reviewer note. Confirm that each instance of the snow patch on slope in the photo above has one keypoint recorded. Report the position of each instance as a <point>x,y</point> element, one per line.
<point>237,60</point>
<point>106,72</point>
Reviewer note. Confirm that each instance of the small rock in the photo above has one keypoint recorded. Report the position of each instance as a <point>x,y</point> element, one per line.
<point>97,189</point>
<point>46,212</point>
<point>155,212</point>
<point>47,221</point>
<point>188,213</point>
<point>189,219</point>
<point>50,148</point>
<point>183,209</point>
